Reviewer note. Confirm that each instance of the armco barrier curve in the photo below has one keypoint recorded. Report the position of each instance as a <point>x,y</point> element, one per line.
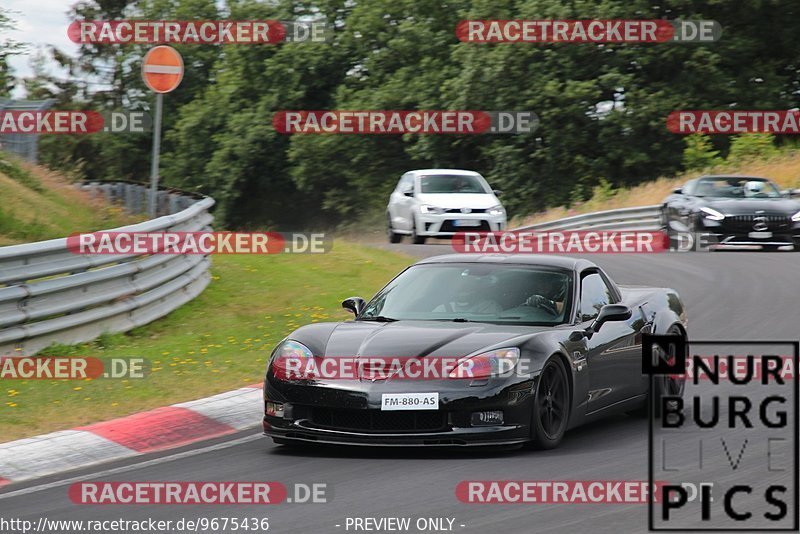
<point>51,295</point>
<point>644,218</point>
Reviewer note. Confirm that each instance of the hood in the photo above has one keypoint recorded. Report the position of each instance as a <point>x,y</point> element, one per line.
<point>459,200</point>
<point>410,338</point>
<point>749,206</point>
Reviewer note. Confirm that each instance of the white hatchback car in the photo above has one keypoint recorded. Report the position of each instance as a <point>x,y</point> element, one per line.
<point>440,202</point>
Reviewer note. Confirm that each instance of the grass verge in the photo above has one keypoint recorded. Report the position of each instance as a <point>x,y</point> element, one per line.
<point>218,342</point>
<point>38,204</point>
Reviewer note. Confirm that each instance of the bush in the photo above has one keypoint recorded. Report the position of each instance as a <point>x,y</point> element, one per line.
<point>749,147</point>
<point>699,153</point>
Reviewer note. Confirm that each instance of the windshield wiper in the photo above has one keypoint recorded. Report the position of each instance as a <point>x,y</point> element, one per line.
<point>379,319</point>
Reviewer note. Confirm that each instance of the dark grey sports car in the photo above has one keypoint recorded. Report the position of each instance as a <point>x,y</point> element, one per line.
<point>535,344</point>
<point>733,211</point>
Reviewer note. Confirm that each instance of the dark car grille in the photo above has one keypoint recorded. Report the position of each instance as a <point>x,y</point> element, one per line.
<point>744,223</point>
<point>447,226</point>
<point>379,421</point>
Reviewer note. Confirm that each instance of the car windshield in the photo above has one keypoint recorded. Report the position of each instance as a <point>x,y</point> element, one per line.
<point>451,183</point>
<point>736,187</point>
<point>469,292</point>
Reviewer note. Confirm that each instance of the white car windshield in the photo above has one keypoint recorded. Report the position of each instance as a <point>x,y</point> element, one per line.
<point>451,183</point>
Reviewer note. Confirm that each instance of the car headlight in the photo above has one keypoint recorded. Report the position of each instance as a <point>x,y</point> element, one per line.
<point>712,214</point>
<point>496,210</point>
<point>291,360</point>
<point>486,364</point>
<point>427,208</point>
<point>796,217</point>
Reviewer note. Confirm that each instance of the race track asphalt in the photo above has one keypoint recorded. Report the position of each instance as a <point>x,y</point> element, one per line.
<point>729,296</point>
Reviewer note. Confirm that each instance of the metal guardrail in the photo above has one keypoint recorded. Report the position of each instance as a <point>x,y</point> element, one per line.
<point>640,218</point>
<point>51,295</point>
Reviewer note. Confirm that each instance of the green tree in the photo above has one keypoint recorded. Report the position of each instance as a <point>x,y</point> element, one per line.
<point>8,48</point>
<point>699,153</point>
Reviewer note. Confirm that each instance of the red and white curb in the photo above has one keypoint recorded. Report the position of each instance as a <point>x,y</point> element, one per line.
<point>154,430</point>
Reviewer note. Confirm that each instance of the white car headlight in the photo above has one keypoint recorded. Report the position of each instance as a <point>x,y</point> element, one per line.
<point>796,217</point>
<point>712,214</point>
<point>496,210</point>
<point>434,210</point>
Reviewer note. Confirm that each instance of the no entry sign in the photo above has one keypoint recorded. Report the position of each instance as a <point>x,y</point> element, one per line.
<point>162,69</point>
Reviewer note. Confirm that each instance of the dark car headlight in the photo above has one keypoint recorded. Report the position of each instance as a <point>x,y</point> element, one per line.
<point>496,362</point>
<point>288,351</point>
<point>796,217</point>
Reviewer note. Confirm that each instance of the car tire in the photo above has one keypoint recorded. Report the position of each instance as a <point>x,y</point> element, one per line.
<point>417,239</point>
<point>551,406</point>
<point>663,385</point>
<point>393,237</point>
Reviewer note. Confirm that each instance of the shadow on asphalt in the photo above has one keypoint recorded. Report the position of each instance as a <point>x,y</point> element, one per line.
<point>606,434</point>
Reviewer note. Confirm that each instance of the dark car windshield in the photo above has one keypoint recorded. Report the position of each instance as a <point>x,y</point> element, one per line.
<point>490,293</point>
<point>451,183</point>
<point>736,187</point>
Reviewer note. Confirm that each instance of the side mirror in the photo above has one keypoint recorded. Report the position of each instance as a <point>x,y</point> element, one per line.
<point>497,193</point>
<point>409,192</point>
<point>794,192</point>
<point>610,312</point>
<point>354,305</point>
<point>678,191</point>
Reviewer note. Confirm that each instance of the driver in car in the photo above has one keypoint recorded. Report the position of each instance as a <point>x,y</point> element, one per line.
<point>471,298</point>
<point>540,299</point>
<point>754,189</point>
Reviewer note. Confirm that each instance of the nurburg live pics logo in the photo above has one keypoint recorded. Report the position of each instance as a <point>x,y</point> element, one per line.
<point>726,446</point>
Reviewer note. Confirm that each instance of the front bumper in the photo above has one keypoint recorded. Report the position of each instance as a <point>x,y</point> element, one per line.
<point>448,224</point>
<point>738,232</point>
<point>349,413</point>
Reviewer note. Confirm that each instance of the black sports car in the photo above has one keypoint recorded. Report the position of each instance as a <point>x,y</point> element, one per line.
<point>736,211</point>
<point>536,345</point>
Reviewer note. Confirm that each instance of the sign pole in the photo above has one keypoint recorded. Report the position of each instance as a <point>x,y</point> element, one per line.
<point>154,161</point>
<point>162,72</point>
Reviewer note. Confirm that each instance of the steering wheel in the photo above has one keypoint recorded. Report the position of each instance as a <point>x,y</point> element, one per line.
<point>542,302</point>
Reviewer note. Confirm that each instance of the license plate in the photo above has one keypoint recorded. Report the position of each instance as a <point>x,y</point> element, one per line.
<point>759,235</point>
<point>409,401</point>
<point>466,222</point>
